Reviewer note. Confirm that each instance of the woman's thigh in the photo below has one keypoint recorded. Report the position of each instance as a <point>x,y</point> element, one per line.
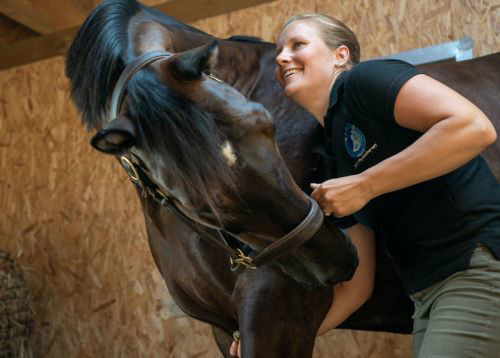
<point>460,316</point>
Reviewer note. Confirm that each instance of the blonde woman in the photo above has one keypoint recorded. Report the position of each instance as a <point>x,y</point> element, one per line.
<point>408,166</point>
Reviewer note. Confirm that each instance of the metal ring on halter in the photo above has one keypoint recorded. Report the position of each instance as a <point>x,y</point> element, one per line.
<point>215,78</point>
<point>236,336</point>
<point>130,169</point>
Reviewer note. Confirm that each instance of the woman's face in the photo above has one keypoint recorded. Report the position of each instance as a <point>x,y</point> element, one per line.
<point>305,64</point>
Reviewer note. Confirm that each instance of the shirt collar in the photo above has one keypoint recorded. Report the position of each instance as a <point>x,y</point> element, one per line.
<point>337,88</point>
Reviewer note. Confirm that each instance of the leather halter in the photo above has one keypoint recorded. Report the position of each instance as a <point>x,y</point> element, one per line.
<point>295,238</point>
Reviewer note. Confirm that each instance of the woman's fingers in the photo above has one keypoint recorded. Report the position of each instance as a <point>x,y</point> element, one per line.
<point>318,194</point>
<point>341,196</point>
<point>235,349</point>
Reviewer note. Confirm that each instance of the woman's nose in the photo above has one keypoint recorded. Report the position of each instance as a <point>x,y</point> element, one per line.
<point>283,57</point>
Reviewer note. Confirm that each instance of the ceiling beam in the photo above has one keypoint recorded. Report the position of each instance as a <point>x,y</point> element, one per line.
<point>11,31</point>
<point>44,16</point>
<point>56,44</point>
<point>194,10</point>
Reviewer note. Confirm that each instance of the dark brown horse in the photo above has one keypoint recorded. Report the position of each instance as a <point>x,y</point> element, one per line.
<point>176,122</point>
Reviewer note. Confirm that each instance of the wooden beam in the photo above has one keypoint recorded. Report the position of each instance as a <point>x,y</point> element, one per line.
<point>56,44</point>
<point>35,49</point>
<point>11,31</point>
<point>194,10</point>
<point>44,16</point>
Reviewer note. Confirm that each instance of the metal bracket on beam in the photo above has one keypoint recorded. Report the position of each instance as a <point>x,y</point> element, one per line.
<point>459,50</point>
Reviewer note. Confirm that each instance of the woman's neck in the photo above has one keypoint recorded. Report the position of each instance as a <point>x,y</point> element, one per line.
<point>318,105</point>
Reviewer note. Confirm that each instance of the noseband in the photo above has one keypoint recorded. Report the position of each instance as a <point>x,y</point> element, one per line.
<point>294,239</point>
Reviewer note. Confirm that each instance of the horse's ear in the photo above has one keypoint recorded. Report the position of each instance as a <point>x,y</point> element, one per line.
<point>189,65</point>
<point>116,137</point>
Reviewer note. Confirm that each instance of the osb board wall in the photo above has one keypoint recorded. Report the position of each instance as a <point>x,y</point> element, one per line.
<point>73,220</point>
<point>382,27</point>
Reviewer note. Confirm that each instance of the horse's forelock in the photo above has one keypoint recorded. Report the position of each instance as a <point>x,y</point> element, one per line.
<point>186,137</point>
<point>95,58</point>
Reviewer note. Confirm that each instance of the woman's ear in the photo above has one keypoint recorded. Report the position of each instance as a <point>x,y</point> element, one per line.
<point>342,55</point>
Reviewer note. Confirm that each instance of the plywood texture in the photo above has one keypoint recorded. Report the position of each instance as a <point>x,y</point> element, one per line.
<point>72,219</point>
<point>383,27</point>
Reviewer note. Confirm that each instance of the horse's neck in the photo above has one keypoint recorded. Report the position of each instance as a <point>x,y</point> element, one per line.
<point>244,65</point>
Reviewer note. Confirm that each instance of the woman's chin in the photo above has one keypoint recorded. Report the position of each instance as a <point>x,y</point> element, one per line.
<point>290,90</point>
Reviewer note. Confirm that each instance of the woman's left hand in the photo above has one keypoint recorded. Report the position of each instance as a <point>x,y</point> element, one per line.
<point>235,350</point>
<point>342,196</point>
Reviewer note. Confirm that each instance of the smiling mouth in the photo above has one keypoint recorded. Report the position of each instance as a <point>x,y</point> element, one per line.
<point>288,73</point>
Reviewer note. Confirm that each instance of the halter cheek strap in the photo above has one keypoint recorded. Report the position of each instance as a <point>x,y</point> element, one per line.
<point>130,70</point>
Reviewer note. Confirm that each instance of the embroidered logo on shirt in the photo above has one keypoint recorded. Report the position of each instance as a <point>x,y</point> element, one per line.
<point>367,153</point>
<point>354,139</point>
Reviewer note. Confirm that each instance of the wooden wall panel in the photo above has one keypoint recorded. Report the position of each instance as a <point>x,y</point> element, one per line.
<point>382,27</point>
<point>73,220</point>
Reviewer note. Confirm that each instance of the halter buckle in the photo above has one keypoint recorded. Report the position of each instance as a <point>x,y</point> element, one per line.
<point>130,169</point>
<point>242,260</point>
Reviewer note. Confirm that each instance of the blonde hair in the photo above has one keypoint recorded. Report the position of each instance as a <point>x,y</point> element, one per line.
<point>334,32</point>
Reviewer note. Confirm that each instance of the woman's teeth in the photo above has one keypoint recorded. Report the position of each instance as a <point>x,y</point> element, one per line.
<point>288,73</point>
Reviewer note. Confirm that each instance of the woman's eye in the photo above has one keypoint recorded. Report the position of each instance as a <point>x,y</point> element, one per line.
<point>297,45</point>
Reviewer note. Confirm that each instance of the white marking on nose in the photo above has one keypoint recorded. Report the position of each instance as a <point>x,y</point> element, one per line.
<point>228,153</point>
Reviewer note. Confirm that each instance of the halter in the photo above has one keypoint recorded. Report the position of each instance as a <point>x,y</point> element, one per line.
<point>294,239</point>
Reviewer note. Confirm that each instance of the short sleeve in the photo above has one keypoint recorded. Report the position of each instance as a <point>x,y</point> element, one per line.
<point>373,86</point>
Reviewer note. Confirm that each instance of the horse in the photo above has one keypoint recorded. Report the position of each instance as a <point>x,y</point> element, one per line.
<point>216,151</point>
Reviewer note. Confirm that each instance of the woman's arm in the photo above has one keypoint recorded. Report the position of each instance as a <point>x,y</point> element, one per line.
<point>455,131</point>
<point>350,295</point>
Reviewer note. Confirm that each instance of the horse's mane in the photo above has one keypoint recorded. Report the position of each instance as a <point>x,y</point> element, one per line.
<point>245,38</point>
<point>96,56</point>
<point>185,138</point>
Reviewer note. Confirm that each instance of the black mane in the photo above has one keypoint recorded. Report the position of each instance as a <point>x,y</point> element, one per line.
<point>176,130</point>
<point>95,59</point>
<point>245,38</point>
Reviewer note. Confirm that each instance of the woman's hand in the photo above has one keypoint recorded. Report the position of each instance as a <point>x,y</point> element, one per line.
<point>342,196</point>
<point>235,350</point>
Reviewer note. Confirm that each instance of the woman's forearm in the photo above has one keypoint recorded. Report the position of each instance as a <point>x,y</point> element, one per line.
<point>345,302</point>
<point>447,145</point>
<point>349,296</point>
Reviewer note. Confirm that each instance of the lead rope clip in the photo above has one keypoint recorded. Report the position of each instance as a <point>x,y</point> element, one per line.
<point>242,260</point>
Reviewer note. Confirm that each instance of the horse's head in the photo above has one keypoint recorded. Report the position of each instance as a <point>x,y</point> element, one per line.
<point>206,145</point>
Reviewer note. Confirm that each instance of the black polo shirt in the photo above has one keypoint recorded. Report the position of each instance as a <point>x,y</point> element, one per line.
<point>431,228</point>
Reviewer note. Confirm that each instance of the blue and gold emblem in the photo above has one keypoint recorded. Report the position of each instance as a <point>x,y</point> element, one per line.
<point>354,139</point>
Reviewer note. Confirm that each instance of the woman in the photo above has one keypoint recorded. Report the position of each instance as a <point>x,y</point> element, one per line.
<point>406,149</point>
